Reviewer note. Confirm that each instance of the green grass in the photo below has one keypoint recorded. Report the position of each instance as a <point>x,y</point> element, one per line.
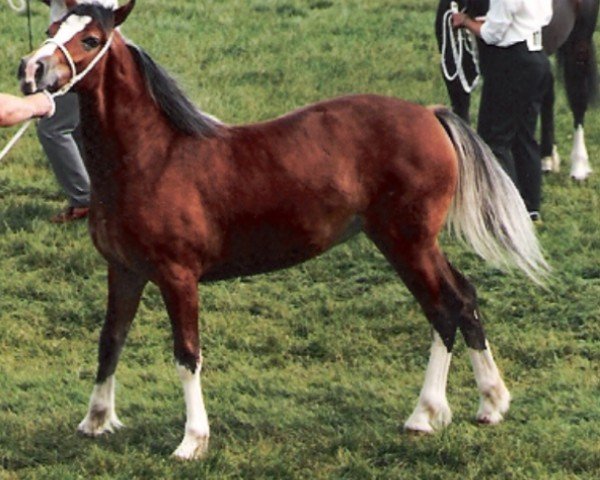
<point>309,372</point>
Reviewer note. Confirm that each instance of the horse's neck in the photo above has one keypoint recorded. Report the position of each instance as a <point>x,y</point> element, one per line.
<point>120,120</point>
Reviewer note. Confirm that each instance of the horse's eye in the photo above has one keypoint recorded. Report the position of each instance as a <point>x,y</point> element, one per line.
<point>48,33</point>
<point>90,42</point>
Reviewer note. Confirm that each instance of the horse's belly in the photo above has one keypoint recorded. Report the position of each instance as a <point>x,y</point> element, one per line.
<point>264,249</point>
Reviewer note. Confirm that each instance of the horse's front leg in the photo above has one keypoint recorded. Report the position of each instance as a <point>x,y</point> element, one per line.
<point>179,291</point>
<point>124,293</point>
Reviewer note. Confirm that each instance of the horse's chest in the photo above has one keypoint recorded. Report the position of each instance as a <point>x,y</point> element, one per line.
<point>108,240</point>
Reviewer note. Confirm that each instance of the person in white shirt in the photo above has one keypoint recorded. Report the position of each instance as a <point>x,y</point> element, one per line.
<point>516,74</point>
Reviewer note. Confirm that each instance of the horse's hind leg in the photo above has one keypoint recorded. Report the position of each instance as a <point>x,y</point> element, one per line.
<point>581,80</point>
<point>578,55</point>
<point>179,291</point>
<point>449,302</point>
<point>124,292</point>
<point>424,270</point>
<point>495,398</point>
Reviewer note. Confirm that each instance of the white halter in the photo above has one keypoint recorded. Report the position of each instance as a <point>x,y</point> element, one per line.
<point>76,77</point>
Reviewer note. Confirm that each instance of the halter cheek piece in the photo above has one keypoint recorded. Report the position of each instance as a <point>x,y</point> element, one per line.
<point>75,77</point>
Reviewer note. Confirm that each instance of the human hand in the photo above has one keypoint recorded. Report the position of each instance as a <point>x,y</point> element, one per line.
<point>459,19</point>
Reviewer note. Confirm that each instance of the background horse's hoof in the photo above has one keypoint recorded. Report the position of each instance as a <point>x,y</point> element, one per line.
<point>580,160</point>
<point>192,447</point>
<point>551,163</point>
<point>580,174</point>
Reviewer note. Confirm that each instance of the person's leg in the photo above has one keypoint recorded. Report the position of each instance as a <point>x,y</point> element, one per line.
<point>528,164</point>
<point>497,112</point>
<point>526,152</point>
<point>59,144</point>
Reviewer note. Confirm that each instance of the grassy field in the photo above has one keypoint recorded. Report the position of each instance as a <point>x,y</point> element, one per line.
<point>309,372</point>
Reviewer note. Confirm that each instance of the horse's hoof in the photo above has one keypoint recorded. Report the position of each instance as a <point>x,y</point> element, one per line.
<point>95,427</point>
<point>490,418</point>
<point>192,448</point>
<point>547,164</point>
<point>429,417</point>
<point>419,429</point>
<point>551,163</point>
<point>580,175</point>
<point>495,402</point>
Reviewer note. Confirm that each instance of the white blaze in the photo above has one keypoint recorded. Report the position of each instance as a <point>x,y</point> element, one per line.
<point>69,28</point>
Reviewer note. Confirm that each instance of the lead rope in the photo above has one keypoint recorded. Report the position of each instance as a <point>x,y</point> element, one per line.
<point>17,6</point>
<point>20,8</point>
<point>75,78</point>
<point>460,43</point>
<point>29,31</point>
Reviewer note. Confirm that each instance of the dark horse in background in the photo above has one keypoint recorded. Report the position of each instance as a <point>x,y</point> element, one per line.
<point>180,198</point>
<point>569,35</point>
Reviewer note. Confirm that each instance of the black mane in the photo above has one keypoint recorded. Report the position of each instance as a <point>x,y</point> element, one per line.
<point>180,111</point>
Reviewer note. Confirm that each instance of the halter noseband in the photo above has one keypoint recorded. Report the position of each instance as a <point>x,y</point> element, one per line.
<point>76,77</point>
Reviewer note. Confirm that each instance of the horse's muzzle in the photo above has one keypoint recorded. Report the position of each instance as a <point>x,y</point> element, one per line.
<point>30,75</point>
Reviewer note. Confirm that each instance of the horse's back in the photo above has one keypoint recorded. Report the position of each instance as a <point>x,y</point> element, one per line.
<point>360,131</point>
<point>311,178</point>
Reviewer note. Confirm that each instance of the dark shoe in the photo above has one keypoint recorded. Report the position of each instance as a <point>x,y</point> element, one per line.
<point>535,217</point>
<point>70,214</point>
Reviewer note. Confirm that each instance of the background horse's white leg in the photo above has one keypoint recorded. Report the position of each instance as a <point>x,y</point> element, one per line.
<point>101,416</point>
<point>580,162</point>
<point>495,397</point>
<point>551,163</point>
<point>432,410</point>
<point>195,441</point>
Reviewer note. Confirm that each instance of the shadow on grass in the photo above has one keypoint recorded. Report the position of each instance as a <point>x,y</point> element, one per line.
<point>21,217</point>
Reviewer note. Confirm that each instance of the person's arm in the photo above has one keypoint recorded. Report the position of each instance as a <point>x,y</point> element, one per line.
<point>15,110</point>
<point>462,20</point>
<point>498,20</point>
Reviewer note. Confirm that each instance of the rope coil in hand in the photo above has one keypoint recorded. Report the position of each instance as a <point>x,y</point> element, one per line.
<point>461,43</point>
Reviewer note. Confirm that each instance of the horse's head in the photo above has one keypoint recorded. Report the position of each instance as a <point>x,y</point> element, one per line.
<point>76,44</point>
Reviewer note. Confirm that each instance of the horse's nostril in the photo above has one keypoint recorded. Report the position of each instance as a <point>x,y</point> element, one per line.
<point>39,71</point>
<point>21,70</point>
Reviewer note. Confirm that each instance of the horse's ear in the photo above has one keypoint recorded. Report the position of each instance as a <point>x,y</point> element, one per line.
<point>123,12</point>
<point>70,4</point>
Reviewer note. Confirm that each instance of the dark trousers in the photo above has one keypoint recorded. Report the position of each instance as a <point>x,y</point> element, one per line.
<point>61,141</point>
<point>515,81</point>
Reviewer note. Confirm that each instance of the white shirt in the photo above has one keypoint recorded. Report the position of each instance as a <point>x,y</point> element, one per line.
<point>511,21</point>
<point>58,9</point>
